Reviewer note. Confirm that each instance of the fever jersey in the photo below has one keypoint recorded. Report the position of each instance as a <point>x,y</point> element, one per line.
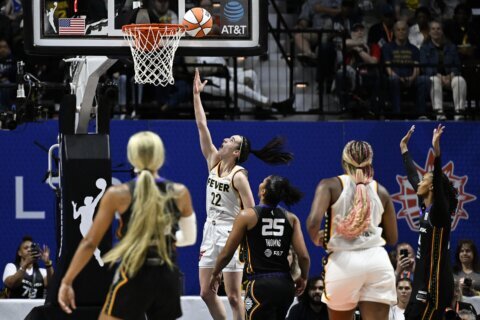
<point>267,244</point>
<point>223,201</point>
<point>372,237</point>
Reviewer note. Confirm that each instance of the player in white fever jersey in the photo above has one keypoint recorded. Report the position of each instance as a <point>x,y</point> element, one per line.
<point>228,191</point>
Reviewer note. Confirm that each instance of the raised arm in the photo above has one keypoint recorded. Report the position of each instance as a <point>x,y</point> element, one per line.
<point>441,216</point>
<point>320,205</point>
<point>209,151</point>
<point>389,219</point>
<point>103,219</point>
<point>407,160</point>
<point>300,249</point>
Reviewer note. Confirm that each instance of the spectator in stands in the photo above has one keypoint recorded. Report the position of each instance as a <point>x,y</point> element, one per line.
<point>316,14</point>
<point>357,54</point>
<point>310,305</point>
<point>317,49</point>
<point>466,315</point>
<point>460,301</point>
<point>446,74</point>
<point>418,32</point>
<point>463,33</point>
<point>293,262</point>
<point>405,261</point>
<point>7,74</point>
<point>441,9</point>
<point>161,10</point>
<point>466,263</point>
<point>247,85</point>
<point>24,278</point>
<point>404,290</point>
<point>406,10</point>
<point>382,32</point>
<point>5,25</point>
<point>400,57</point>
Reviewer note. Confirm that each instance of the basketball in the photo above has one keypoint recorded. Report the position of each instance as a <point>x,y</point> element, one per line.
<point>198,22</point>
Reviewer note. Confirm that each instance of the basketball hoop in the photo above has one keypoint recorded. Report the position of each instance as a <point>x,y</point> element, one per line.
<point>153,49</point>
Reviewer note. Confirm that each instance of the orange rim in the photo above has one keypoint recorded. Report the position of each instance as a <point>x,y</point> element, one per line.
<point>162,28</point>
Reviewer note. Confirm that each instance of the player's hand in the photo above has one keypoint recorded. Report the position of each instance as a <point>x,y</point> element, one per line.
<point>437,133</point>
<point>405,139</point>
<point>215,282</point>
<point>300,285</point>
<point>66,298</point>
<point>198,85</point>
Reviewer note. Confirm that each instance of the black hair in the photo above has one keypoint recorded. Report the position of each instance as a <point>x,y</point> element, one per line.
<point>271,153</point>
<point>464,7</point>
<point>279,189</point>
<point>423,10</point>
<point>305,297</point>
<point>17,257</point>
<point>451,192</point>
<point>457,266</point>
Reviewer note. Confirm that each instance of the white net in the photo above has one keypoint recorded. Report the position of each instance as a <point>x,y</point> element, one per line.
<point>153,48</point>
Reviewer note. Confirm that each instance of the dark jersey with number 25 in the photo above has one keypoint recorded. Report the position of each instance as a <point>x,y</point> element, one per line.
<point>267,244</point>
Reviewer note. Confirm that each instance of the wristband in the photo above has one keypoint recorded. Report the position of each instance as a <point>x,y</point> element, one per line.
<point>49,265</point>
<point>21,269</point>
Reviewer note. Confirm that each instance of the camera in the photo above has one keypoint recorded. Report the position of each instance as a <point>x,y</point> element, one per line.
<point>404,253</point>
<point>467,282</point>
<point>35,249</point>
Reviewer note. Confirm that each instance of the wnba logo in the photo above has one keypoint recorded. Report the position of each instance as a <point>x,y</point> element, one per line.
<point>407,196</point>
<point>233,11</point>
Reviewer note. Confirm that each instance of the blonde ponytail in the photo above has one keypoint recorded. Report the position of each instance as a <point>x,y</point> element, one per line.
<point>150,222</point>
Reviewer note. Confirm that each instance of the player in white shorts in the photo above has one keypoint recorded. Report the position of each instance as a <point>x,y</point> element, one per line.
<point>357,270</point>
<point>228,192</point>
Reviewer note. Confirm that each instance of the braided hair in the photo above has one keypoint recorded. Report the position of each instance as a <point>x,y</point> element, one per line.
<point>357,162</point>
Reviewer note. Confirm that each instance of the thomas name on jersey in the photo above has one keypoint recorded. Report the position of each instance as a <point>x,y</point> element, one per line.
<point>218,185</point>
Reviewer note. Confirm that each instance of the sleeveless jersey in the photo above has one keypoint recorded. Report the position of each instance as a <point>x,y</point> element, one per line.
<point>171,208</point>
<point>32,286</point>
<point>223,201</point>
<point>268,243</point>
<point>372,237</point>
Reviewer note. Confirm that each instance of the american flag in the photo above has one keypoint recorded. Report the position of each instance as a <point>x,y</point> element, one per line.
<point>71,26</point>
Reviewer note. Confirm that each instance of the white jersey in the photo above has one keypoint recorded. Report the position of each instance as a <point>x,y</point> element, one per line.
<point>372,237</point>
<point>223,201</point>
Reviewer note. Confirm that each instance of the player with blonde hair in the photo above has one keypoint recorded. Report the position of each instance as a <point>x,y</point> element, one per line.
<point>360,218</point>
<point>151,208</point>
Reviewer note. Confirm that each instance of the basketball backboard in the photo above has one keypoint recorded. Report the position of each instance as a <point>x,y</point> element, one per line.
<point>93,27</point>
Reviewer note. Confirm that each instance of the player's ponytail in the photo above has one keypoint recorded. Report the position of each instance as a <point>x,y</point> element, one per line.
<point>357,162</point>
<point>278,189</point>
<point>150,223</point>
<point>271,153</point>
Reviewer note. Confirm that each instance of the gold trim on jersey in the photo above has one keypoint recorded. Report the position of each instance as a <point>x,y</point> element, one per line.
<point>257,303</point>
<point>249,268</point>
<point>109,302</point>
